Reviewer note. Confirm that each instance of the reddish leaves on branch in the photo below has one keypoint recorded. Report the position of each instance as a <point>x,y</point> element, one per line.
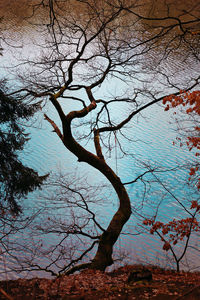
<point>195,205</point>
<point>191,99</point>
<point>191,102</point>
<point>174,230</point>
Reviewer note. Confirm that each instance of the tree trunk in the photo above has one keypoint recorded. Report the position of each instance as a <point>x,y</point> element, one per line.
<point>103,257</point>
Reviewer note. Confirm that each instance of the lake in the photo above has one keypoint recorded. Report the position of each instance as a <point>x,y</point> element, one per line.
<point>149,144</point>
<point>152,136</point>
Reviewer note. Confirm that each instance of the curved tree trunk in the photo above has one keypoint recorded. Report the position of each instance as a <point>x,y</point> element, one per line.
<point>103,257</point>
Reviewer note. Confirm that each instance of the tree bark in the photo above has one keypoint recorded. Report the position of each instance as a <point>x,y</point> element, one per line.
<point>103,257</point>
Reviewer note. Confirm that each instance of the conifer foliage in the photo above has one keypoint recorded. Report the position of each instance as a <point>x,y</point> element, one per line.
<point>16,179</point>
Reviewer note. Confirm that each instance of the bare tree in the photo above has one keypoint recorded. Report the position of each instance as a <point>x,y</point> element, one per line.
<point>84,45</point>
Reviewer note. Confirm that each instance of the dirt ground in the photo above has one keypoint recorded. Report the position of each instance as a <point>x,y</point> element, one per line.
<point>95,285</point>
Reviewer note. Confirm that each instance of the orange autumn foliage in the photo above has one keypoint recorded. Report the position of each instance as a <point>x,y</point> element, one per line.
<point>178,229</point>
<point>175,230</point>
<point>191,103</point>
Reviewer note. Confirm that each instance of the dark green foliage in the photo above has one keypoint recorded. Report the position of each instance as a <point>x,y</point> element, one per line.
<point>16,180</point>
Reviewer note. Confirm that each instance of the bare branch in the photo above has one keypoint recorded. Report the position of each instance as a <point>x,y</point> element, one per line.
<point>55,127</point>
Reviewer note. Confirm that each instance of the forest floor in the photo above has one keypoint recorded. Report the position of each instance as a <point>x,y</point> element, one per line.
<point>93,285</point>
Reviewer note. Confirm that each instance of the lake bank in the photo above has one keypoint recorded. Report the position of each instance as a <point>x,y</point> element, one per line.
<point>165,284</point>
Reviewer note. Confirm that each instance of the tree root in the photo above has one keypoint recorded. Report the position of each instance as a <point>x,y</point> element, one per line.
<point>79,268</point>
